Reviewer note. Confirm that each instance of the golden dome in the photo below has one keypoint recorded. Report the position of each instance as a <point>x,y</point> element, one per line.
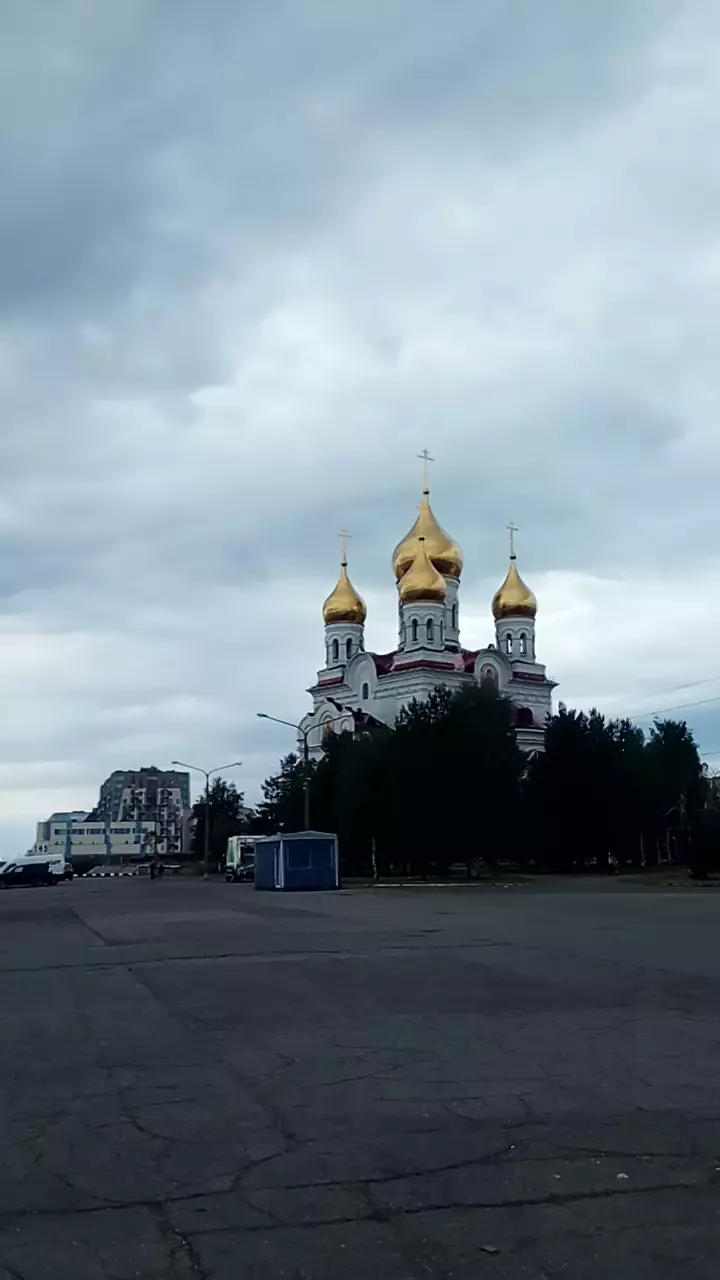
<point>442,551</point>
<point>422,581</point>
<point>514,599</point>
<point>344,604</point>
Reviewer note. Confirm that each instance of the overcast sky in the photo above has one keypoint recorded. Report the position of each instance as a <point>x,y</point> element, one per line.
<point>255,257</point>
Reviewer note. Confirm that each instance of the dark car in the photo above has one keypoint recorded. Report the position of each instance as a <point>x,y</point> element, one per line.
<point>15,874</point>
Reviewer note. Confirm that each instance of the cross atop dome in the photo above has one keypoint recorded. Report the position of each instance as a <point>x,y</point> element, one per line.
<point>425,459</point>
<point>443,553</point>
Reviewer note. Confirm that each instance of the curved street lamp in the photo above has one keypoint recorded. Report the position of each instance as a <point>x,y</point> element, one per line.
<point>262,715</point>
<point>207,774</point>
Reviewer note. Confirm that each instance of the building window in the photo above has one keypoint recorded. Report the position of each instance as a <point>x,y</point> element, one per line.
<point>335,650</point>
<point>523,644</point>
<point>508,645</point>
<point>488,675</point>
<point>430,630</point>
<point>454,615</point>
<point>365,692</point>
<point>414,630</point>
<point>348,648</point>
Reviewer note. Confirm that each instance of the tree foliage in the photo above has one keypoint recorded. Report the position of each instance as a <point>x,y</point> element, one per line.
<point>450,785</point>
<point>226,819</point>
<point>281,808</point>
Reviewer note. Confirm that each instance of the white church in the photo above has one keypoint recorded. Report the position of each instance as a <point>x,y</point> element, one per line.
<point>356,682</point>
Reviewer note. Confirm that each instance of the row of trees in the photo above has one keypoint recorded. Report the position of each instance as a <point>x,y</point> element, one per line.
<point>449,784</point>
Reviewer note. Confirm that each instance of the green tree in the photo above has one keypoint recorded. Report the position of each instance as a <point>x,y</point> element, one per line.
<point>477,765</point>
<point>281,808</point>
<point>628,791</point>
<point>677,788</point>
<point>450,784</point>
<point>571,791</point>
<point>437,789</point>
<point>226,819</point>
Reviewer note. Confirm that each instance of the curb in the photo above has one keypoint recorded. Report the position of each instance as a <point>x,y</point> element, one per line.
<point>100,875</point>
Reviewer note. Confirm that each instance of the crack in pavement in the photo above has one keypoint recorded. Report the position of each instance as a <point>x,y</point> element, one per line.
<point>179,1242</point>
<point>361,1184</point>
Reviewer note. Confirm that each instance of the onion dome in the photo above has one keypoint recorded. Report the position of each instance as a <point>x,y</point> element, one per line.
<point>514,599</point>
<point>444,554</point>
<point>344,604</point>
<point>422,582</point>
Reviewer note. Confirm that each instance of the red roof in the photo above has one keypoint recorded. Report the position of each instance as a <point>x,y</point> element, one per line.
<point>424,664</point>
<point>383,662</point>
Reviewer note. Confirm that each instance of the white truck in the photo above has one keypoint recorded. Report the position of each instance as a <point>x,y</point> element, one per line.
<point>240,859</point>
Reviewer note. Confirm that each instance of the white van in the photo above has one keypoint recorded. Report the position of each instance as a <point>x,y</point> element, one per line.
<point>58,867</point>
<point>32,868</point>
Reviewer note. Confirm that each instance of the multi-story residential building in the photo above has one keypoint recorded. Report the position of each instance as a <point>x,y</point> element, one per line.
<point>159,797</point>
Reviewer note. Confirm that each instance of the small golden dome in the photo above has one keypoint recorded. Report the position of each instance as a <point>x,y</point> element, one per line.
<point>442,551</point>
<point>344,604</point>
<point>514,599</point>
<point>422,582</point>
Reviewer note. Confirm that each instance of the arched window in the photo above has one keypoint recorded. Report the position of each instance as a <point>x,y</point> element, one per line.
<point>348,647</point>
<point>414,630</point>
<point>453,615</point>
<point>523,644</point>
<point>335,650</point>
<point>430,630</point>
<point>508,645</point>
<point>488,676</point>
<point>365,692</point>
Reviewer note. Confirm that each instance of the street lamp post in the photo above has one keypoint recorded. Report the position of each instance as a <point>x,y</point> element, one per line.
<point>262,715</point>
<point>207,774</point>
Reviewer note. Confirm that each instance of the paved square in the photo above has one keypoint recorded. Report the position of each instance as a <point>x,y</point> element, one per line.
<point>200,1080</point>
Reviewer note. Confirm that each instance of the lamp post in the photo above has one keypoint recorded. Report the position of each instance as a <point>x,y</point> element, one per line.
<point>207,774</point>
<point>262,715</point>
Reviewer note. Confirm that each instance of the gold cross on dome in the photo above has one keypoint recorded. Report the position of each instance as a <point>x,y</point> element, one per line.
<point>343,536</point>
<point>425,458</point>
<point>512,530</point>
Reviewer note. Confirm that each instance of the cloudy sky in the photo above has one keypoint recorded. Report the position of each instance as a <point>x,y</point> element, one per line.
<point>254,258</point>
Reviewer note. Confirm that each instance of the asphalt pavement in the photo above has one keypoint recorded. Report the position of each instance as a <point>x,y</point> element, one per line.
<point>199,1080</point>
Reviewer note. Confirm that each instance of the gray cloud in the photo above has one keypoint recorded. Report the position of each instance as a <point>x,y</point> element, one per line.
<point>253,261</point>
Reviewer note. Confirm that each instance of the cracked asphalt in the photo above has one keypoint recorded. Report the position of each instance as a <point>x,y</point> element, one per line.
<point>198,1080</point>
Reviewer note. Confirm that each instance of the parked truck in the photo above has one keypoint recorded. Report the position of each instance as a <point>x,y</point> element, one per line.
<point>239,859</point>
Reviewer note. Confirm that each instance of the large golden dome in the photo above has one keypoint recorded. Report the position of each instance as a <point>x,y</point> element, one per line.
<point>344,604</point>
<point>442,551</point>
<point>422,582</point>
<point>514,599</point>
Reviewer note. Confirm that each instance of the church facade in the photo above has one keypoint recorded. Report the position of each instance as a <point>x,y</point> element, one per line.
<point>356,686</point>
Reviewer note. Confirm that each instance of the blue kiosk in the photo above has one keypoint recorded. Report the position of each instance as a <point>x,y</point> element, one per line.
<point>297,860</point>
